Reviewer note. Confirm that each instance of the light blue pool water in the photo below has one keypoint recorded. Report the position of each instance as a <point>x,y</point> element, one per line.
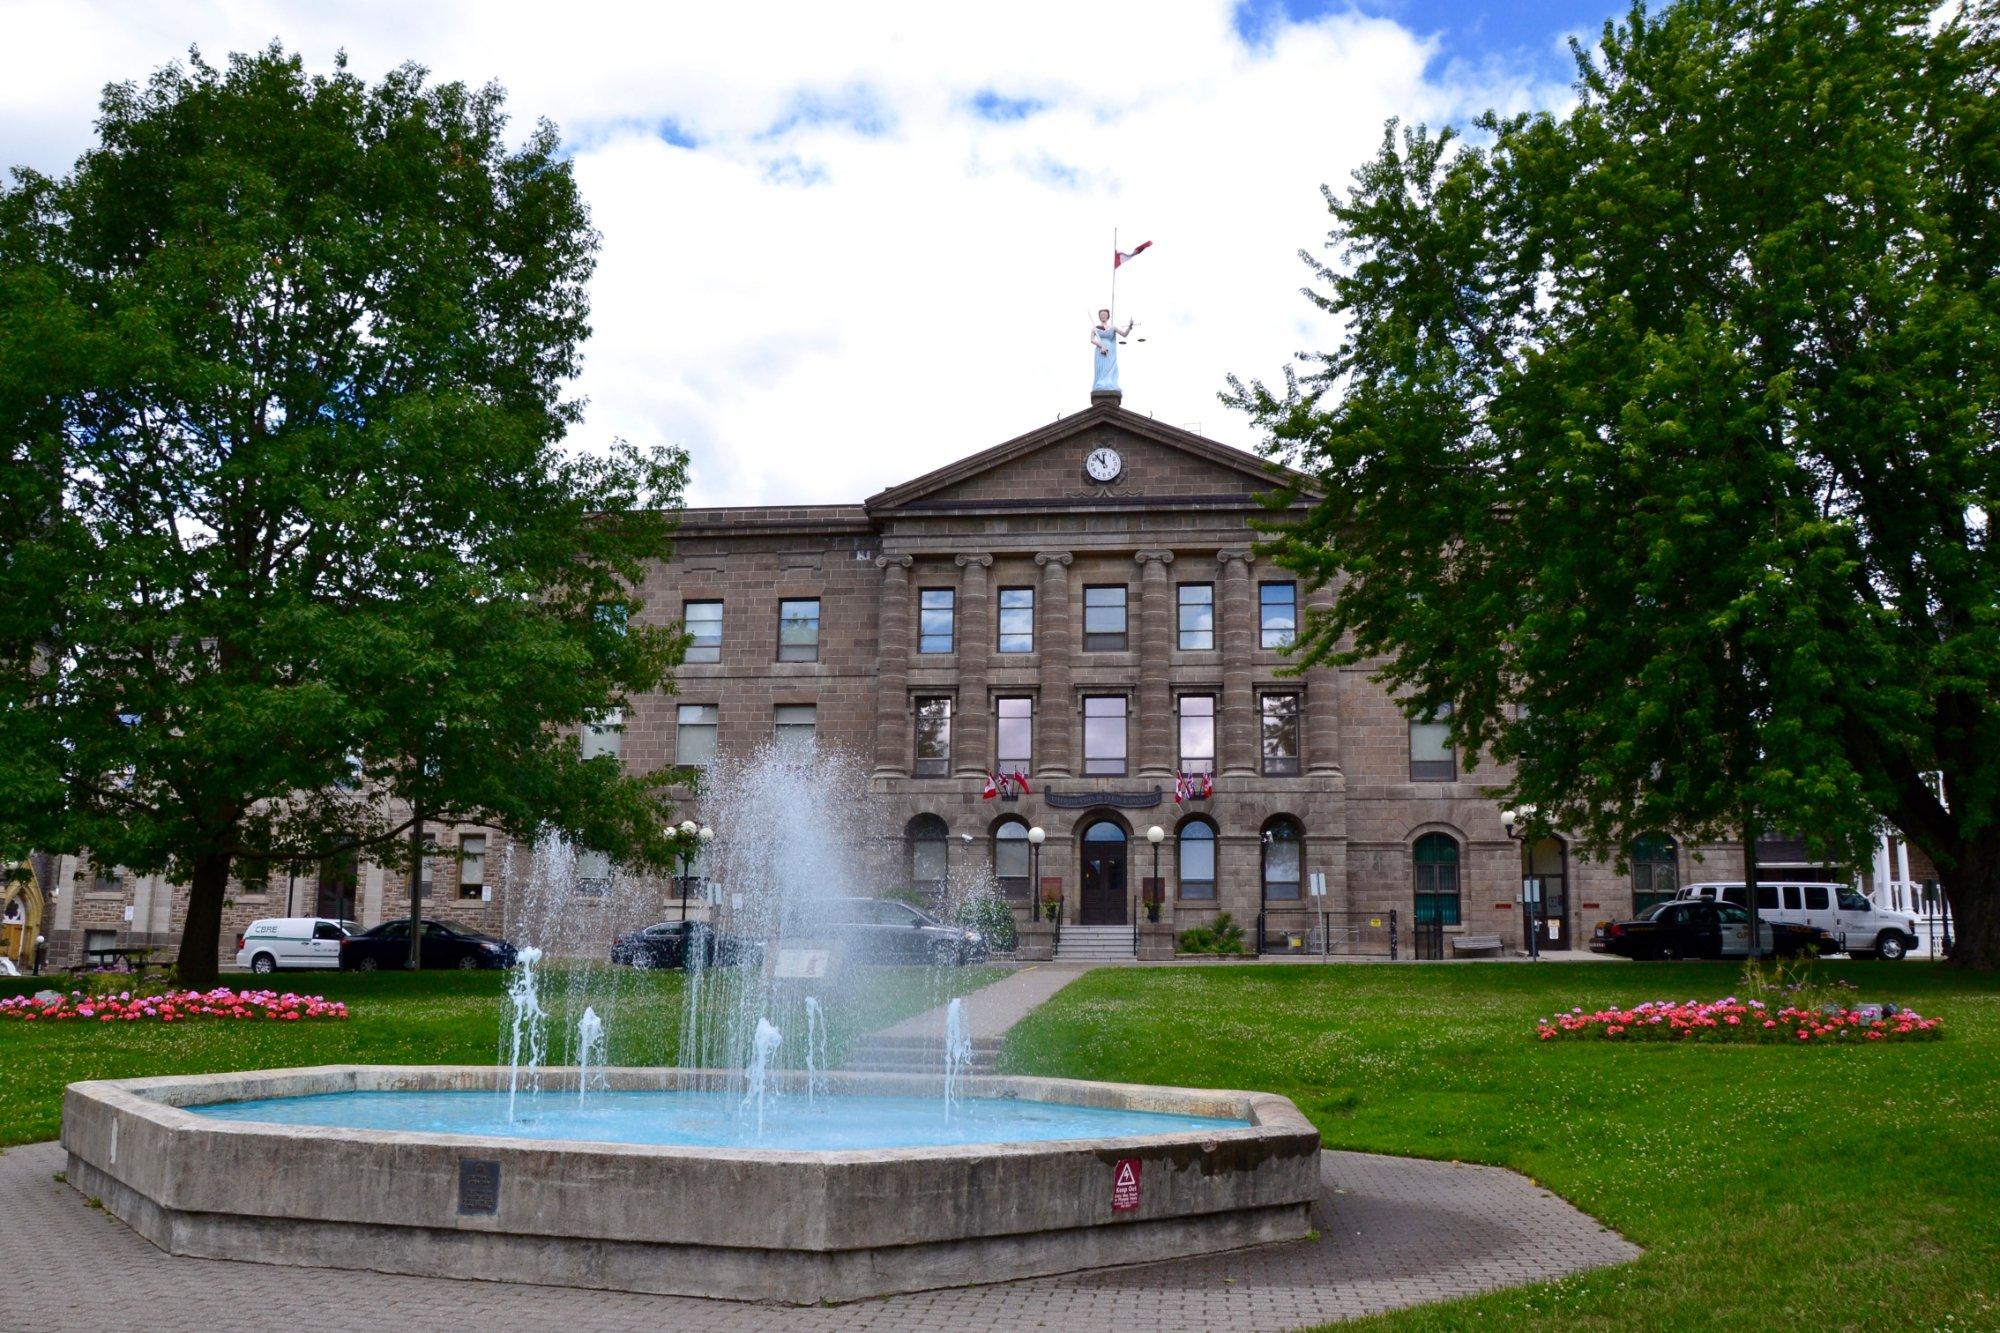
<point>715,1120</point>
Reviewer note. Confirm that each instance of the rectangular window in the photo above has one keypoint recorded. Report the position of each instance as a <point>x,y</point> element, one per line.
<point>694,740</point>
<point>1017,620</point>
<point>793,727</point>
<point>704,626</point>
<point>109,879</point>
<point>593,874</point>
<point>934,615</point>
<point>1198,733</point>
<point>1197,861</point>
<point>605,736</point>
<point>1104,620</point>
<point>798,630</point>
<point>1791,897</point>
<point>1280,716</point>
<point>472,866</point>
<point>1816,898</point>
<point>1197,617</point>
<point>933,739</point>
<point>1432,758</point>
<point>1104,734</point>
<point>1014,735</point>
<point>1277,614</point>
<point>424,880</point>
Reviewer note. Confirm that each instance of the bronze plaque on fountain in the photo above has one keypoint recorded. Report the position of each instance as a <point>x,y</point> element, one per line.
<point>478,1188</point>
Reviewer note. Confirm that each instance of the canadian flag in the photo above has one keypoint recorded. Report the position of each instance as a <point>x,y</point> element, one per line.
<point>1001,784</point>
<point>1192,787</point>
<point>992,787</point>
<point>1118,257</point>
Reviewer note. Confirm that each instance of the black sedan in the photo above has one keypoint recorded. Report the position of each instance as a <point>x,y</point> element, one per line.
<point>670,943</point>
<point>443,946</point>
<point>881,930</point>
<point>1705,930</point>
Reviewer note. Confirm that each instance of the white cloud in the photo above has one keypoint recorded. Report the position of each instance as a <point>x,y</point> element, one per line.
<point>854,276</point>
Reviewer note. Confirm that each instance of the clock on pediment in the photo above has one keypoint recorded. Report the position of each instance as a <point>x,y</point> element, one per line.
<point>1103,465</point>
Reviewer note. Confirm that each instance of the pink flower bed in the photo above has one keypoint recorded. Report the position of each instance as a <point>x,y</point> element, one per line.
<point>170,1007</point>
<point>1738,1020</point>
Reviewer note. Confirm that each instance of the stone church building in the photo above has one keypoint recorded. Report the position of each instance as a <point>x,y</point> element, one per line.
<point>1081,605</point>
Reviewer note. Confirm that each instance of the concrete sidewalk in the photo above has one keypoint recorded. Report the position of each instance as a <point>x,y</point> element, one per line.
<point>991,1011</point>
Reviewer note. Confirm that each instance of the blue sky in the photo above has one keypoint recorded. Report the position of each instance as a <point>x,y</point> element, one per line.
<point>1527,31</point>
<point>843,245</point>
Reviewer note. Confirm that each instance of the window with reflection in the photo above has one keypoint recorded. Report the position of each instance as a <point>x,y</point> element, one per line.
<point>1011,860</point>
<point>1195,859</point>
<point>1104,735</point>
<point>1284,857</point>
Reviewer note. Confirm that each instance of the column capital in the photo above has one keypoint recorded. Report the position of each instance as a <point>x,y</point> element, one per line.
<point>899,561</point>
<point>1153,557</point>
<point>980,558</point>
<point>1229,555</point>
<point>1056,558</point>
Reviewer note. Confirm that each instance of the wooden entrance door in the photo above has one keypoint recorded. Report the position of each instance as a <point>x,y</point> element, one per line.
<point>1104,849</point>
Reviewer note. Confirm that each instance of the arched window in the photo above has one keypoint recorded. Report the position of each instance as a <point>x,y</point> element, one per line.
<point>1655,871</point>
<point>1284,853</point>
<point>926,835</point>
<point>1436,859</point>
<point>1195,856</point>
<point>1010,858</point>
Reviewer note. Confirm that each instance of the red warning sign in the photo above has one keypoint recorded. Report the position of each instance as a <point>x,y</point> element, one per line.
<point>1125,1185</point>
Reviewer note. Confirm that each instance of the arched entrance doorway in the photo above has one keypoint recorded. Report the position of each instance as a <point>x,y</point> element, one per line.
<point>20,914</point>
<point>1104,849</point>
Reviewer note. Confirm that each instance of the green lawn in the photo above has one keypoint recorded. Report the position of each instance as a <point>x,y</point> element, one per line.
<point>396,1018</point>
<point>1772,1187</point>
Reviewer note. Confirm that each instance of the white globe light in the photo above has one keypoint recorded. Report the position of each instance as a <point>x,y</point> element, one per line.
<point>707,834</point>
<point>687,828</point>
<point>1036,835</point>
<point>1155,834</point>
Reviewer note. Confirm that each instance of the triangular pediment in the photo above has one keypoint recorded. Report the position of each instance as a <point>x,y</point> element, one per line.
<point>1155,463</point>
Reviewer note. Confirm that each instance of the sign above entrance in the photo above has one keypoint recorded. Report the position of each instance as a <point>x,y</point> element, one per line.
<point>1118,800</point>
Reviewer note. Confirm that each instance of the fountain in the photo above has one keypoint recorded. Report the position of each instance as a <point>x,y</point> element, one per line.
<point>737,1164</point>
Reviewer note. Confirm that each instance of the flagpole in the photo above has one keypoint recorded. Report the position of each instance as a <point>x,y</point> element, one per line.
<point>1114,277</point>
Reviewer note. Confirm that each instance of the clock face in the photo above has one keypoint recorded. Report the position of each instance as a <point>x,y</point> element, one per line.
<point>1103,464</point>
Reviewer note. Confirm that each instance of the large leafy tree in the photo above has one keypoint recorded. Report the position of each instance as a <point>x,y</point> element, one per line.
<point>1660,439</point>
<point>281,374</point>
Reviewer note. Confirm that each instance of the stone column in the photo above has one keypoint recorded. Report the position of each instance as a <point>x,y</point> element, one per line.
<point>1235,604</point>
<point>1055,720</point>
<point>1322,704</point>
<point>972,729</point>
<point>1156,625</point>
<point>892,672</point>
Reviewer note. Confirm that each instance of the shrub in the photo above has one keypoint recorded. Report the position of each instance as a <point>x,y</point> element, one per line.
<point>991,917</point>
<point>1221,936</point>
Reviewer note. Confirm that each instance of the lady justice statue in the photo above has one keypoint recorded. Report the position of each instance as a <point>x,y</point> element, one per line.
<point>1104,338</point>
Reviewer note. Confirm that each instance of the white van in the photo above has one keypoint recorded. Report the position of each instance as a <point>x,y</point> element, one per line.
<point>290,942</point>
<point>1864,930</point>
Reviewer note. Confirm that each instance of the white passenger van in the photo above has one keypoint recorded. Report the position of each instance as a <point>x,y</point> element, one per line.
<point>1863,929</point>
<point>290,942</point>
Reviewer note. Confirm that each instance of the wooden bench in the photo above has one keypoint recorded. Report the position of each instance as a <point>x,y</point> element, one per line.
<point>1475,944</point>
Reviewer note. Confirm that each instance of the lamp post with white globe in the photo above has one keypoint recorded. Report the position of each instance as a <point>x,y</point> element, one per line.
<point>1155,890</point>
<point>1036,837</point>
<point>693,841</point>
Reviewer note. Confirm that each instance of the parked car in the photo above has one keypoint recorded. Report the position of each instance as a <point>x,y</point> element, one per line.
<point>277,943</point>
<point>7,968</point>
<point>1694,929</point>
<point>388,945</point>
<point>881,930</point>
<point>668,943</point>
<point>1856,926</point>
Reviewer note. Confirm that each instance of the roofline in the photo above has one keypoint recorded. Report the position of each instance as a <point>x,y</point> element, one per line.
<point>1098,413</point>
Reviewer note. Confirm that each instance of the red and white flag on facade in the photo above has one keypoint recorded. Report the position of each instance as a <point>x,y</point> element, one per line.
<point>1020,780</point>
<point>1118,257</point>
<point>992,788</point>
<point>1192,787</point>
<point>1006,784</point>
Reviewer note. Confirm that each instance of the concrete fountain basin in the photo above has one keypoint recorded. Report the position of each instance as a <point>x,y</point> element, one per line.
<point>734,1222</point>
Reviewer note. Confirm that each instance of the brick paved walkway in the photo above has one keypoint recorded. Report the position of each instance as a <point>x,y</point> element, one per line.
<point>1393,1232</point>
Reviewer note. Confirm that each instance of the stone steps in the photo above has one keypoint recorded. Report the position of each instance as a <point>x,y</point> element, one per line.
<point>1094,943</point>
<point>916,1055</point>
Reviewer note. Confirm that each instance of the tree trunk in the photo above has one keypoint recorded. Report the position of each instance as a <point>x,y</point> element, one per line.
<point>416,961</point>
<point>1972,888</point>
<point>201,934</point>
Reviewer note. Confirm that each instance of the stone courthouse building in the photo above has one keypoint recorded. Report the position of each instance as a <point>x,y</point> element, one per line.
<point>1081,605</point>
